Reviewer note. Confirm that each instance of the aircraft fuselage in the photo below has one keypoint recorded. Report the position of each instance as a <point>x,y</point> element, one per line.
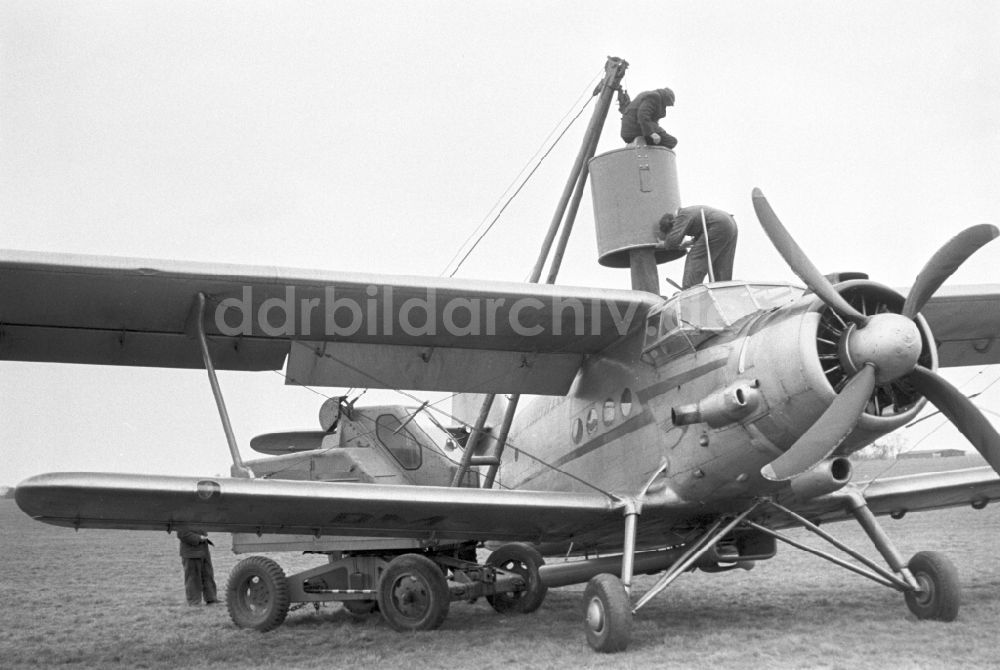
<point>754,347</point>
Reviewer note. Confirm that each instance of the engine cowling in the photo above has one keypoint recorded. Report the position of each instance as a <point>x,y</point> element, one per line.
<point>800,357</point>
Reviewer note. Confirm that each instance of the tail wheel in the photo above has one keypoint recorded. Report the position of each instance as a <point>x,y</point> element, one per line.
<point>413,593</point>
<point>940,592</point>
<point>607,614</point>
<point>523,560</point>
<point>257,594</point>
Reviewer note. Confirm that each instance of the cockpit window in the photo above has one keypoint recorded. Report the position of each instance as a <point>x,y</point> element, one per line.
<point>399,441</point>
<point>769,297</point>
<point>734,302</point>
<point>699,310</point>
<point>697,315</point>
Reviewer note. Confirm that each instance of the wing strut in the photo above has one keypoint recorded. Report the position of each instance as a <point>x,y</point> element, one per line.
<point>198,312</point>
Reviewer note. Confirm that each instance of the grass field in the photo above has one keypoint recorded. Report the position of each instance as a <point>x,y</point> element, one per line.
<point>106,599</point>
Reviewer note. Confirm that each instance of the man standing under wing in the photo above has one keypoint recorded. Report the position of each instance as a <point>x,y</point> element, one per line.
<point>199,578</point>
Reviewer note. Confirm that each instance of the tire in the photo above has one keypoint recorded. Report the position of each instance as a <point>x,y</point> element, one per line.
<point>360,608</point>
<point>413,594</point>
<point>941,592</point>
<point>607,614</point>
<point>257,594</point>
<point>524,560</point>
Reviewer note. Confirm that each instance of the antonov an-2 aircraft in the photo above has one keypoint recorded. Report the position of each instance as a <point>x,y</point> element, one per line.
<point>666,433</point>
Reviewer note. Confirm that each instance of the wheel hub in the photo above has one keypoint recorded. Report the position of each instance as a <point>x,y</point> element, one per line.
<point>595,615</point>
<point>258,595</point>
<point>925,593</point>
<point>410,597</point>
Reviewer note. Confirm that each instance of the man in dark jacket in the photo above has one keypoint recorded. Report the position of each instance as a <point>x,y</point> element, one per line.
<point>642,114</point>
<point>721,243</point>
<point>199,579</point>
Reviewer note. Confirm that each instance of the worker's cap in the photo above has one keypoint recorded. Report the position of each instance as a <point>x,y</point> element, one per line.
<point>668,96</point>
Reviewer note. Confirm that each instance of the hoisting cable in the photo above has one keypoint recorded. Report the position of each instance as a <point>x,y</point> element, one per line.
<point>582,106</point>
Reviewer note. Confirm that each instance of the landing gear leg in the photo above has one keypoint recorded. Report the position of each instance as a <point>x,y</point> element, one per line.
<point>607,611</point>
<point>608,627</point>
<point>935,591</point>
<point>929,581</point>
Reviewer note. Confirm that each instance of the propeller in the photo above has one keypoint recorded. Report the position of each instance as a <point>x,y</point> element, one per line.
<point>800,263</point>
<point>943,263</point>
<point>877,349</point>
<point>960,411</point>
<point>837,422</point>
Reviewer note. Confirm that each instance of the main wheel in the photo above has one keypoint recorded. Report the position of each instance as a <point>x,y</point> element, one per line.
<point>524,560</point>
<point>940,592</point>
<point>257,594</point>
<point>607,614</point>
<point>413,593</point>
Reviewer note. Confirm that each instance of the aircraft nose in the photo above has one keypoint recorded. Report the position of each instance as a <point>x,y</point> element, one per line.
<point>890,342</point>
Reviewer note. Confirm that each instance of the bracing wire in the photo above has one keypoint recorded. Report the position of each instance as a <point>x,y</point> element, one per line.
<point>480,232</point>
<point>484,228</point>
<point>942,424</point>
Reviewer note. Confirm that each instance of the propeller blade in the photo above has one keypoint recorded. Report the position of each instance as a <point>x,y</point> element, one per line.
<point>943,264</point>
<point>960,411</point>
<point>829,430</point>
<point>800,263</point>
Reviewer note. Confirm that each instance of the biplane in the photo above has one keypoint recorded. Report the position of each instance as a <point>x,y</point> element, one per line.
<point>656,434</point>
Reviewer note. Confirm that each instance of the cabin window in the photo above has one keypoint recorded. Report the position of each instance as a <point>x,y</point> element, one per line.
<point>609,412</point>
<point>399,441</point>
<point>592,420</point>
<point>626,402</point>
<point>577,431</point>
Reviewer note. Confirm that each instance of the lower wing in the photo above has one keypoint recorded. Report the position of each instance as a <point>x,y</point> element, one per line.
<point>897,496</point>
<point>271,506</point>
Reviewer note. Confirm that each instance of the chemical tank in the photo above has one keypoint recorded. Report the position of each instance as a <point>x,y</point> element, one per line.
<point>632,188</point>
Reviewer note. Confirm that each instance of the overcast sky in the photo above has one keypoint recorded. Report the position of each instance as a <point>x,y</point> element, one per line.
<point>377,136</point>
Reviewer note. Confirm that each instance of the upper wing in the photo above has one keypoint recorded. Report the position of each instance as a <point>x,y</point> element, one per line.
<point>965,321</point>
<point>354,329</point>
<point>145,502</point>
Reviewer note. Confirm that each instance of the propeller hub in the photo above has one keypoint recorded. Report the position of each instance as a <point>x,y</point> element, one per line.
<point>890,342</point>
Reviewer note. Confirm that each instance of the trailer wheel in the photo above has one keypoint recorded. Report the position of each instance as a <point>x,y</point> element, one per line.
<point>524,560</point>
<point>257,594</point>
<point>413,593</point>
<point>360,608</point>
<point>607,614</point>
<point>940,593</point>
